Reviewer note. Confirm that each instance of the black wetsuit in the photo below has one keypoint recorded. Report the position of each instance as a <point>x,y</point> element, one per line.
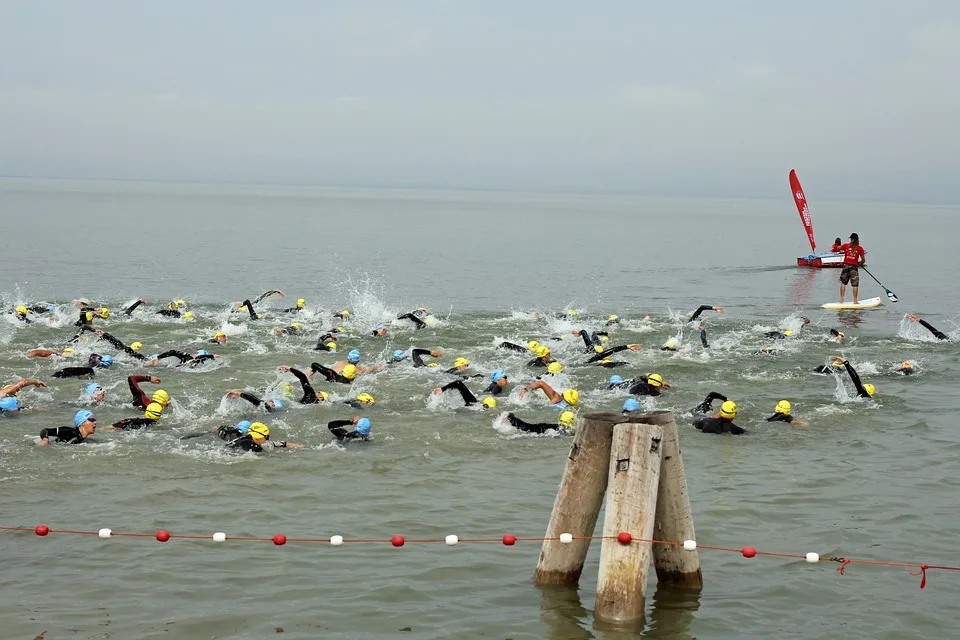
<point>255,401</point>
<point>249,306</point>
<point>338,429</point>
<point>531,427</point>
<point>468,397</point>
<point>185,358</point>
<point>512,347</point>
<point>463,376</point>
<point>703,338</point>
<point>700,309</point>
<point>856,380</point>
<point>494,389</point>
<point>718,425</point>
<point>323,340</point>
<point>539,362</point>
<point>291,310</point>
<point>612,364</point>
<point>417,356</point>
<point>706,405</point>
<point>328,373</point>
<point>309,395</point>
<point>134,423</point>
<point>74,372</point>
<point>227,432</point>
<point>825,369</point>
<point>67,435</point>
<point>608,352</point>
<point>129,310</point>
<point>591,341</point>
<point>290,331</point>
<point>940,335</point>
<point>641,387</point>
<point>414,317</point>
<point>626,384</point>
<point>245,443</point>
<point>780,417</point>
<point>84,321</point>
<point>140,399</point>
<point>170,313</point>
<point>119,345</point>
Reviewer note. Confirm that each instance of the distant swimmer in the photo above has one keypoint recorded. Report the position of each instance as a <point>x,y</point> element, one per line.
<point>569,398</point>
<point>22,312</point>
<point>836,336</point>
<point>173,309</point>
<point>133,307</point>
<point>828,369</point>
<point>84,426</point>
<point>47,353</point>
<point>786,333</point>
<point>543,357</point>
<point>613,320</point>
<point>362,401</point>
<point>701,309</point>
<point>150,417</point>
<point>255,439</point>
<point>87,314</point>
<point>722,421</point>
<point>345,376</point>
<point>219,337</point>
<point>140,398</point>
<point>566,423</point>
<point>380,331</point>
<point>673,344</point>
<point>132,350</point>
<point>420,317</point>
<point>250,310</point>
<point>93,394</point>
<point>342,315</point>
<point>327,342</point>
<point>854,257</point>
<point>266,294</point>
<point>301,303</point>
<point>468,398</point>
<point>417,356</point>
<point>939,335</point>
<point>498,382</point>
<point>255,400</point>
<point>94,361</point>
<point>512,346</point>
<point>361,428</point>
<point>569,314</point>
<point>602,353</point>
<point>197,358</point>
<point>864,390</point>
<point>907,368</point>
<point>781,413</point>
<point>310,396</point>
<point>293,329</point>
<point>460,367</point>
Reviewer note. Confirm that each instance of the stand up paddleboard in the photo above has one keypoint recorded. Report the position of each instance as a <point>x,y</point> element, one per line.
<point>869,303</point>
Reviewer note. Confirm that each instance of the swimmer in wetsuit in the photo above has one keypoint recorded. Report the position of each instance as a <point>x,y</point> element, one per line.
<point>327,341</point>
<point>468,398</point>
<point>648,385</point>
<point>498,382</point>
<point>361,429</point>
<point>511,346</point>
<point>150,417</point>
<point>566,423</point>
<point>294,329</point>
<point>309,395</point>
<point>786,333</point>
<point>198,358</point>
<point>722,421</point>
<point>569,398</point>
<point>781,413</point>
<point>459,368</point>
<point>601,353</point>
<point>417,356</point>
<point>84,425</point>
<point>256,437</point>
<point>419,317</point>
<point>362,401</point>
<point>94,361</point>
<point>864,390</point>
<point>907,368</point>
<point>132,350</point>
<point>301,303</point>
<point>939,335</point>
<point>543,357</point>
<point>87,314</point>
<point>268,405</point>
<point>140,398</point>
<point>345,376</point>
<point>836,336</point>
<point>701,309</point>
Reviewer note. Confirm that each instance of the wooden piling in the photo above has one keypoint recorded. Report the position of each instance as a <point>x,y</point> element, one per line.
<point>674,518</point>
<point>633,482</point>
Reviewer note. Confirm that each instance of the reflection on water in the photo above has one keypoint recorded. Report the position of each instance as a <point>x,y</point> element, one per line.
<point>562,613</point>
<point>849,318</point>
<point>801,286</point>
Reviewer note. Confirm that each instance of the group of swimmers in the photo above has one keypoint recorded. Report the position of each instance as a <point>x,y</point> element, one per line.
<point>255,435</point>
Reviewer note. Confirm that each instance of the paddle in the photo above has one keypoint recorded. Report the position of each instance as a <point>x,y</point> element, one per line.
<point>890,294</point>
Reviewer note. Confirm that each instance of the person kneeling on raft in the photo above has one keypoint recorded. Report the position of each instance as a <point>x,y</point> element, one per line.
<point>84,425</point>
<point>565,423</point>
<point>361,429</point>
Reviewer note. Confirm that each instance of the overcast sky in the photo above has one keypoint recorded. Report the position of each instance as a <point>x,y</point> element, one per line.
<point>697,97</point>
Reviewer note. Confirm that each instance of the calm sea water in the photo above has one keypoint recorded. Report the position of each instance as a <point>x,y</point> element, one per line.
<point>874,480</point>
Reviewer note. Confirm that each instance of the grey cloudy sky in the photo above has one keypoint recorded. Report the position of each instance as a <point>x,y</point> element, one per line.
<point>696,97</point>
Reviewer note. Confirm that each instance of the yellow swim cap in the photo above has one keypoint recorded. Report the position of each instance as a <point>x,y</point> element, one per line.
<point>160,396</point>
<point>180,303</point>
<point>136,346</point>
<point>571,312</point>
<point>870,389</point>
<point>489,403</point>
<point>604,338</point>
<point>188,315</point>
<point>788,332</point>
<point>366,397</point>
<point>907,364</point>
<point>22,310</point>
<point>542,351</point>
<point>533,345</point>
<point>606,360</point>
<point>671,343</point>
<point>345,313</point>
<point>154,411</point>
<point>89,315</point>
<point>331,345</point>
<point>654,380</point>
<point>567,418</point>
<point>612,317</point>
<point>783,407</point>
<point>104,313</point>
<point>296,325</point>
<point>571,396</point>
<point>555,367</point>
<point>68,350</point>
<point>301,303</point>
<point>728,409</point>
<point>432,364</point>
<point>259,429</point>
<point>461,362</point>
<point>349,372</point>
<point>323,395</point>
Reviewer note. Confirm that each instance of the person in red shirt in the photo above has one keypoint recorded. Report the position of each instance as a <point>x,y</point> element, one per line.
<point>836,246</point>
<point>854,257</point>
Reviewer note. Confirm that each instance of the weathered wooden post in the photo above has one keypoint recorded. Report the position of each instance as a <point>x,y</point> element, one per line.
<point>578,501</point>
<point>634,475</point>
<point>675,566</point>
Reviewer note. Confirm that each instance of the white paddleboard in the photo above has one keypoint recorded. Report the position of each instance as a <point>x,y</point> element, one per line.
<point>864,304</point>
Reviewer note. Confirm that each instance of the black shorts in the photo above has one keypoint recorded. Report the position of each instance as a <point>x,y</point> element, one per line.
<point>850,274</point>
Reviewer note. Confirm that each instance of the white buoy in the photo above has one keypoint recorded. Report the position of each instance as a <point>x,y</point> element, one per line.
<point>451,540</point>
<point>813,557</point>
<point>219,536</point>
<point>336,540</point>
<point>104,533</point>
<point>566,538</point>
<point>690,545</point>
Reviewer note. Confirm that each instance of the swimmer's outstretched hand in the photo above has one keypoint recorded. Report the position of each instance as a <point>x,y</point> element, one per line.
<point>912,318</point>
<point>718,309</point>
<point>232,395</point>
<point>154,380</point>
<point>284,368</point>
<point>354,419</point>
<point>523,391</point>
<point>292,445</point>
<point>437,391</point>
<point>634,347</point>
<point>436,354</point>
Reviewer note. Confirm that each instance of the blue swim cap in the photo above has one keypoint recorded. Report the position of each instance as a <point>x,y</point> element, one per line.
<point>81,417</point>
<point>106,361</point>
<point>615,379</point>
<point>154,356</point>
<point>9,404</point>
<point>631,404</point>
<point>363,426</point>
<point>92,388</point>
<point>51,307</point>
<point>398,354</point>
<point>278,404</point>
<point>497,375</point>
<point>354,356</point>
<point>202,352</point>
<point>381,326</point>
<point>243,425</point>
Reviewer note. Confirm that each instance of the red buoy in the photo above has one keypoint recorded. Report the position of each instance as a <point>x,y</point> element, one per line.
<point>749,552</point>
<point>509,540</point>
<point>397,541</point>
<point>42,530</point>
<point>279,539</point>
<point>163,536</point>
<point>624,537</point>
